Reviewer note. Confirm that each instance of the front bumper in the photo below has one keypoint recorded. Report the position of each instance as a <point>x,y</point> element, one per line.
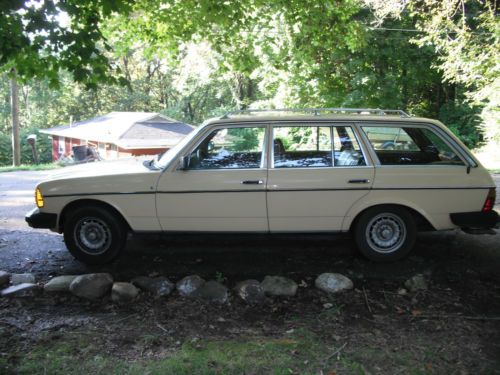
<point>37,219</point>
<point>476,220</point>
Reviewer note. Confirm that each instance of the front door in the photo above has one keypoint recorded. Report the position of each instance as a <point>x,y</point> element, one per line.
<point>223,186</point>
<point>317,173</point>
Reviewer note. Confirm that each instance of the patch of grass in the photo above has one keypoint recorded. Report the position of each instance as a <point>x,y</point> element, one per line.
<point>301,353</point>
<point>30,167</point>
<point>494,170</point>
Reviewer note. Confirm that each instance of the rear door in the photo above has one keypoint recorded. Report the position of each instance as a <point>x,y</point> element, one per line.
<point>317,172</point>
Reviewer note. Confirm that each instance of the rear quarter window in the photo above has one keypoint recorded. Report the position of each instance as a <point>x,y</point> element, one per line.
<point>407,145</point>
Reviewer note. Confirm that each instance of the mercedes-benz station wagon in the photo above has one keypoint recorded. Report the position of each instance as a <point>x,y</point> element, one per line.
<point>379,174</point>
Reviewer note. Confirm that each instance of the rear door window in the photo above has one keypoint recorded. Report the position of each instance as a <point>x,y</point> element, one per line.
<point>410,145</point>
<point>315,146</point>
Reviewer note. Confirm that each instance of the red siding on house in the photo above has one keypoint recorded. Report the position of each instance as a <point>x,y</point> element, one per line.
<point>121,152</point>
<point>67,147</point>
<point>55,147</point>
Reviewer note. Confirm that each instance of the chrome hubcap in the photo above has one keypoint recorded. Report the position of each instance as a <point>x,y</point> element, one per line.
<point>386,233</point>
<point>92,235</point>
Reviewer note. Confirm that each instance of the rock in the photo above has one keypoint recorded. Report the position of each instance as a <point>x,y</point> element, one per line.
<point>59,284</point>
<point>212,291</point>
<point>402,292</point>
<point>22,278</point>
<point>188,285</point>
<point>159,286</point>
<point>4,278</point>
<point>416,283</point>
<point>250,291</point>
<point>333,282</point>
<point>123,292</point>
<point>19,290</point>
<point>91,286</point>
<point>279,286</point>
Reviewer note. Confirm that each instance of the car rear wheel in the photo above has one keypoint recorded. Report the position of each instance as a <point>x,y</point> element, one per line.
<point>385,233</point>
<point>94,235</point>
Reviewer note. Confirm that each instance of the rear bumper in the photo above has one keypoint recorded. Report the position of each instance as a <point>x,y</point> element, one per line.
<point>475,220</point>
<point>37,219</point>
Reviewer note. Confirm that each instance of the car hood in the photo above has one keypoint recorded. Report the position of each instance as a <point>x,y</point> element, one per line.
<point>103,168</point>
<point>120,176</point>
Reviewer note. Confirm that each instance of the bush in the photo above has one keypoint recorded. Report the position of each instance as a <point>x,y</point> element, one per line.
<point>463,120</point>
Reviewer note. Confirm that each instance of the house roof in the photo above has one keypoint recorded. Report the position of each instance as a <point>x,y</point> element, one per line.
<point>127,130</point>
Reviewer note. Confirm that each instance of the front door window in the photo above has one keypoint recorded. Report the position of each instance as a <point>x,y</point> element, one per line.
<point>229,148</point>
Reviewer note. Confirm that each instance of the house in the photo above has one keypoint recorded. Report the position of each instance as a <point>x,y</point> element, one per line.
<point>119,134</point>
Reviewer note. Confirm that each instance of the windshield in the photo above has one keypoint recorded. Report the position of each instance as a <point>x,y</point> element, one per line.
<point>167,157</point>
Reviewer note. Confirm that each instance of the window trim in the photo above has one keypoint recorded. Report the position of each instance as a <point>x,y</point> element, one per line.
<point>431,127</point>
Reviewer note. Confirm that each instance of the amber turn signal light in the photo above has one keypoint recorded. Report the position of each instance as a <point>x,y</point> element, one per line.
<point>38,198</point>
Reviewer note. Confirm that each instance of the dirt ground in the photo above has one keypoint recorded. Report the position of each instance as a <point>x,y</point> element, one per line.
<point>452,327</point>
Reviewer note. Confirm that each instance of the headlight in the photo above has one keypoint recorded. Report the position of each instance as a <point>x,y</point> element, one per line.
<point>38,198</point>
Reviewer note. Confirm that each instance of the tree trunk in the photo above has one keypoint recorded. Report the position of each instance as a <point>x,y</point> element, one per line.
<point>16,146</point>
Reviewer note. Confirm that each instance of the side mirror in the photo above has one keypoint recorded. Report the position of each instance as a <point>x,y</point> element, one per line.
<point>183,163</point>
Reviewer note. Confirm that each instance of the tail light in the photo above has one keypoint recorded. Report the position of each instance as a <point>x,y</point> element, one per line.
<point>490,200</point>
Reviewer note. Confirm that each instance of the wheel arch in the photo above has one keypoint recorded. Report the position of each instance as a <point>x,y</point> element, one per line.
<point>87,203</point>
<point>422,221</point>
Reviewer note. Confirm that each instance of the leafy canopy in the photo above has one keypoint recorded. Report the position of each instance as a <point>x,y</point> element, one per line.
<point>35,40</point>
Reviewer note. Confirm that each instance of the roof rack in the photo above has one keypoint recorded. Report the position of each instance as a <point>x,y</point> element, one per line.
<point>320,111</point>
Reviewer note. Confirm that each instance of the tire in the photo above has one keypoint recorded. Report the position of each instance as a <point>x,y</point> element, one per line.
<point>94,235</point>
<point>385,233</point>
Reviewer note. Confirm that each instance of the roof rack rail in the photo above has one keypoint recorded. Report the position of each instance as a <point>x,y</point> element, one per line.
<point>319,111</point>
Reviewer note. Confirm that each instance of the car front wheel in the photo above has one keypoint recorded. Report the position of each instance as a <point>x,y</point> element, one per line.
<point>385,233</point>
<point>94,235</point>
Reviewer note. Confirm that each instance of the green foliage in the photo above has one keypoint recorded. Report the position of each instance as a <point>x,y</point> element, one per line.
<point>464,121</point>
<point>245,139</point>
<point>465,35</point>
<point>35,41</point>
<point>30,167</point>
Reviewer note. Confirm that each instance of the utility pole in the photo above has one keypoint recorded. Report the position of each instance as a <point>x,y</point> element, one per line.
<point>14,96</point>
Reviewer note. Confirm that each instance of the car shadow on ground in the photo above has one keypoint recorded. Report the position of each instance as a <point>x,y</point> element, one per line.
<point>300,257</point>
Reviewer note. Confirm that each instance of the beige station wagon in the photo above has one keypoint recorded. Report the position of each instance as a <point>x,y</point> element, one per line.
<point>379,174</point>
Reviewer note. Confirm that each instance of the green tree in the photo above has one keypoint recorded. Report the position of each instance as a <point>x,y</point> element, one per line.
<point>466,37</point>
<point>35,39</point>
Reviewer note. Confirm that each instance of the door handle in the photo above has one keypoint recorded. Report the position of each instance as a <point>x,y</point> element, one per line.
<point>252,182</point>
<point>359,181</point>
